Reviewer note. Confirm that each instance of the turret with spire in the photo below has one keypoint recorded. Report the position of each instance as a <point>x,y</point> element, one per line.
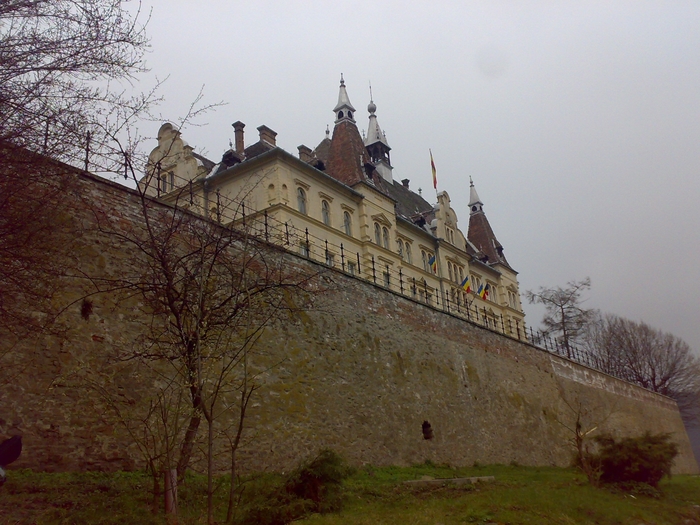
<point>348,160</point>
<point>480,233</point>
<point>343,110</point>
<point>376,143</point>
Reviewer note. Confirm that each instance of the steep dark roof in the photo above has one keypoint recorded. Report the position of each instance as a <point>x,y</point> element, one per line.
<point>208,164</point>
<point>347,155</point>
<point>322,150</point>
<point>408,203</point>
<point>481,235</point>
<point>258,148</point>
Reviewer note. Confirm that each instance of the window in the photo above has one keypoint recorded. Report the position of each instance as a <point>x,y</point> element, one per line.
<point>400,243</point>
<point>408,254</point>
<point>351,268</point>
<point>387,278</point>
<point>385,235</point>
<point>512,299</point>
<point>326,213</point>
<point>476,283</point>
<point>330,259</point>
<point>347,223</point>
<point>461,275</point>
<point>450,233</point>
<point>301,200</point>
<point>493,293</point>
<point>424,256</point>
<point>449,270</point>
<point>304,249</point>
<point>377,234</point>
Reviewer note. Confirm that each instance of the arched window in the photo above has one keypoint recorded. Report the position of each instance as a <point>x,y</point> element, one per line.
<point>449,269</point>
<point>326,213</point>
<point>377,234</point>
<point>424,256</point>
<point>385,235</point>
<point>347,223</point>
<point>408,254</point>
<point>400,243</point>
<point>301,200</point>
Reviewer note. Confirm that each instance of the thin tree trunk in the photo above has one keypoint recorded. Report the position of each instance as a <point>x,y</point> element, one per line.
<point>155,504</point>
<point>187,446</point>
<point>210,470</point>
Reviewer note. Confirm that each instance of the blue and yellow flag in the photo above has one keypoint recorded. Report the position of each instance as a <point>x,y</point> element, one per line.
<point>466,284</point>
<point>484,291</point>
<point>433,263</point>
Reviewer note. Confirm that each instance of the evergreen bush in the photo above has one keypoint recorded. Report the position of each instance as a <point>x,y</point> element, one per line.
<point>644,459</point>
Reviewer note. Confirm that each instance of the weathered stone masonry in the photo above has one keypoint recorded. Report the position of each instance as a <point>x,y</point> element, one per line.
<point>359,375</point>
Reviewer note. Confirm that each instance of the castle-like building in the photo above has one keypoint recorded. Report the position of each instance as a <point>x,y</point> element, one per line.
<point>339,204</point>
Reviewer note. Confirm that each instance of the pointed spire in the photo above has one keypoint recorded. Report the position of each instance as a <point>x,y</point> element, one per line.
<point>374,132</point>
<point>475,204</point>
<point>344,109</point>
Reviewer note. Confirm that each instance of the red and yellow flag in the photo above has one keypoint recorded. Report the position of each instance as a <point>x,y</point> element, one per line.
<point>432,165</point>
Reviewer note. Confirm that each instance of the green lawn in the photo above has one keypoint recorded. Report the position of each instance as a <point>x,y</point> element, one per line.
<point>374,496</point>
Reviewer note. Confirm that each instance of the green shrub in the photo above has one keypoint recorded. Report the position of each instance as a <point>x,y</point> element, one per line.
<point>320,481</point>
<point>314,486</point>
<point>644,459</point>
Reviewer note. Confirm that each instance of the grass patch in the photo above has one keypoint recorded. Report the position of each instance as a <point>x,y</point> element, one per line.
<point>520,495</point>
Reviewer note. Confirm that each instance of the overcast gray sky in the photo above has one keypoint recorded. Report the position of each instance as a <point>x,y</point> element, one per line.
<point>578,121</point>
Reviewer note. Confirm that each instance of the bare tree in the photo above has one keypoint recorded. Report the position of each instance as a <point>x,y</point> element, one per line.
<point>62,63</point>
<point>210,291</point>
<point>581,421</point>
<point>565,318</point>
<point>656,360</point>
<point>66,66</point>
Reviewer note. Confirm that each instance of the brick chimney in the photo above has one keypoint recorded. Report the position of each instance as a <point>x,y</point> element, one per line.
<point>267,135</point>
<point>238,128</point>
<point>305,153</point>
<point>405,183</point>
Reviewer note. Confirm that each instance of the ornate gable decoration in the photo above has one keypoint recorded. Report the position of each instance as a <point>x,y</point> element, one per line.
<point>381,219</point>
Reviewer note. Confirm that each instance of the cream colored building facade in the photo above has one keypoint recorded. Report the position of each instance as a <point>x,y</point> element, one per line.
<point>338,204</point>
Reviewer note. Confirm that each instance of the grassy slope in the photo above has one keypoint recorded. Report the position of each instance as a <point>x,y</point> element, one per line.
<point>375,496</point>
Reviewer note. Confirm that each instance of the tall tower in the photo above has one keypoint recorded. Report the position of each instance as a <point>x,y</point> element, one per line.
<point>480,233</point>
<point>348,160</point>
<point>377,145</point>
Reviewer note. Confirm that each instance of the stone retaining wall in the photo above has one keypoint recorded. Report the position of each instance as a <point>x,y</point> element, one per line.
<point>360,373</point>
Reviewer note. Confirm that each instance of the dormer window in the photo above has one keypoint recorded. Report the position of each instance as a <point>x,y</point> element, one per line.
<point>349,114</point>
<point>340,115</point>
